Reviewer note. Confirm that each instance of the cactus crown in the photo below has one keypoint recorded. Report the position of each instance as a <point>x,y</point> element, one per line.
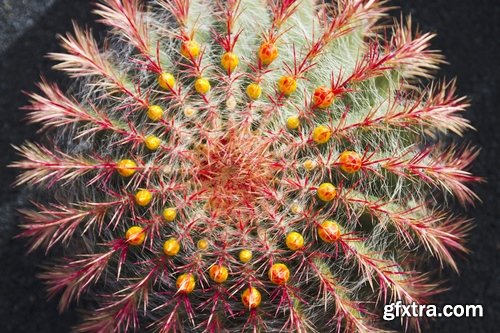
<point>245,165</point>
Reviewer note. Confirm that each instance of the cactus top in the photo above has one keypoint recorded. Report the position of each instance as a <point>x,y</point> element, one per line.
<point>245,165</point>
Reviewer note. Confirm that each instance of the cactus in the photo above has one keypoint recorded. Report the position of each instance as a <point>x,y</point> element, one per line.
<point>245,165</point>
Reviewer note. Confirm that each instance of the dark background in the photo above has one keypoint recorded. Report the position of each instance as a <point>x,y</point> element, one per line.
<point>469,36</point>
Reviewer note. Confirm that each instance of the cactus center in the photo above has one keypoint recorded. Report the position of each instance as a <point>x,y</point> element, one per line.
<point>233,170</point>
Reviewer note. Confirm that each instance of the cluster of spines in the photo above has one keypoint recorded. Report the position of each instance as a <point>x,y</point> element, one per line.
<point>285,108</point>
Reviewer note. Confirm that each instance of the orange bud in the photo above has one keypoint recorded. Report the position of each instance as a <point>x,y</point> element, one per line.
<point>251,298</point>
<point>287,85</point>
<point>350,161</point>
<point>329,231</point>
<point>294,241</point>
<point>268,52</point>
<point>218,273</point>
<point>323,97</point>
<point>279,274</point>
<point>185,283</point>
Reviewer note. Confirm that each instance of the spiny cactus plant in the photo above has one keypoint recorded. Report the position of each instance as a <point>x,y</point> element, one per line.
<point>245,165</point>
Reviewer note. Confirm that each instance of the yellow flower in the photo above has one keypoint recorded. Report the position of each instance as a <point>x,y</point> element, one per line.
<point>309,165</point>
<point>329,231</point>
<point>202,244</point>
<point>268,52</point>
<point>251,298</point>
<point>279,274</point>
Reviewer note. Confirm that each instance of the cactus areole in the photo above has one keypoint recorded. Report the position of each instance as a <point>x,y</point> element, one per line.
<point>245,165</point>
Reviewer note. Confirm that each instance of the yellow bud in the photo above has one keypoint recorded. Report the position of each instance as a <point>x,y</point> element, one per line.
<point>189,112</point>
<point>155,112</point>
<point>229,61</point>
<point>202,86</point>
<point>166,81</point>
<point>169,214</point>
<point>294,241</point>
<point>287,85</point>
<point>135,235</point>
<point>321,134</point>
<point>254,91</point>
<point>327,192</point>
<point>152,142</point>
<point>126,168</point>
<point>293,122</point>
<point>171,247</point>
<point>309,165</point>
<point>143,197</point>
<point>245,256</point>
<point>185,283</point>
<point>202,244</point>
<point>296,208</point>
<point>190,49</point>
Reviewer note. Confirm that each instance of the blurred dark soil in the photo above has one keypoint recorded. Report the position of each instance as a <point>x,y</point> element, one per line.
<point>468,34</point>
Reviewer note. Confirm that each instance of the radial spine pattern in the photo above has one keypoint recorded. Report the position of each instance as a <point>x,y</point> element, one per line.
<point>245,165</point>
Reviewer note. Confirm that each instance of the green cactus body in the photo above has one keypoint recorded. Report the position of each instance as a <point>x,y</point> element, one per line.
<point>251,165</point>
